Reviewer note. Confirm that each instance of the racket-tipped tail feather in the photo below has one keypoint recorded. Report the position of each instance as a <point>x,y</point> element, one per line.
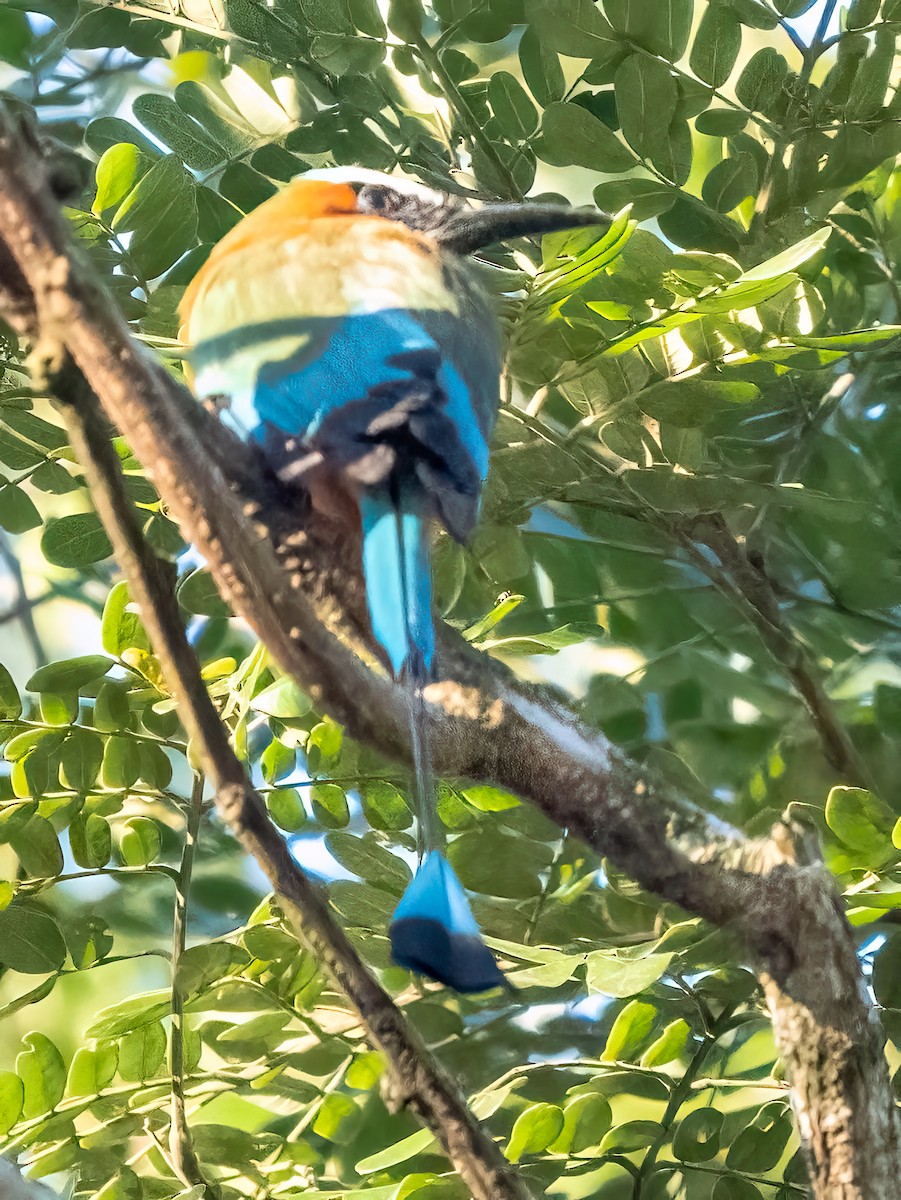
<point>434,933</point>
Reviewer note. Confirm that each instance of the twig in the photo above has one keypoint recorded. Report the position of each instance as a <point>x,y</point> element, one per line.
<point>748,584</point>
<point>24,607</point>
<point>181,1144</point>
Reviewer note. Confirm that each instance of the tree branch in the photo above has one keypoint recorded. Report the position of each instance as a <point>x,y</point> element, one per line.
<point>747,584</point>
<point>415,1078</point>
<point>14,1187</point>
<point>299,586</point>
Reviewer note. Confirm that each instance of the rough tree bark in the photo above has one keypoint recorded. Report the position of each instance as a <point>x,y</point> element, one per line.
<point>303,597</point>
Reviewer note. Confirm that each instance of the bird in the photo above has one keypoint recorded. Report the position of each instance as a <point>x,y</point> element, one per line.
<point>345,326</point>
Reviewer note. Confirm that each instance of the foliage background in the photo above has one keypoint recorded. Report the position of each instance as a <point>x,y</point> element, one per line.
<point>719,361</point>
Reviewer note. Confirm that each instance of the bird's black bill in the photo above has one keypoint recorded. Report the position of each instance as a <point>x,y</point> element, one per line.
<point>473,229</point>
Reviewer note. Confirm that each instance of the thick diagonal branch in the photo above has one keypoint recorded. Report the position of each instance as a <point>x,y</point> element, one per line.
<point>300,589</point>
<point>415,1076</point>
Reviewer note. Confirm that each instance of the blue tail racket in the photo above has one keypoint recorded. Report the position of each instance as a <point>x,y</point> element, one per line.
<point>348,331</point>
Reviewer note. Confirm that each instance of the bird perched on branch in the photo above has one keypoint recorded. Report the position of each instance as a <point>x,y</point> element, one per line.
<point>349,334</point>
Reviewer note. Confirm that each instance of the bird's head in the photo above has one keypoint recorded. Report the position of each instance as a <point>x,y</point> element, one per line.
<point>451,221</point>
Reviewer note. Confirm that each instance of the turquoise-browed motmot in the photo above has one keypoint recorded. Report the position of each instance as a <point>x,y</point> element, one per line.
<point>345,327</point>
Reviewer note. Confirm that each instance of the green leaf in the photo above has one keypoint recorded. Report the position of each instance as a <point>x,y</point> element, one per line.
<point>409,1147</point>
<point>758,1150</point>
<point>385,807</point>
<point>12,1097</point>
<point>511,106</point>
<point>405,19</point>
<point>585,1121</point>
<point>121,628</point>
<point>30,940</point>
<point>632,1135</point>
<point>497,864</point>
<point>721,122</point>
<point>286,809</point>
<point>630,1029</point>
<point>862,821</point>
<point>244,187</point>
<point>59,710</point>
<point>343,53</point>
<point>327,737</point>
<point>691,402</point>
<point>789,260</point>
<point>43,1074</point>
<point>490,799</point>
<point>366,17</point>
<point>854,340</point>
<point>283,699</point>
<point>760,83</point>
<point>89,940</point>
<point>572,136</point>
<point>15,38</point>
<point>38,848</point>
<point>112,711</point>
<point>90,840</point>
<point>107,132</point>
<point>10,700</point>
<point>729,182</point>
<point>364,856</point>
<point>79,759</point>
<point>543,643</point>
<point>204,965</point>
<point>197,593</point>
<point>141,1052</point>
<point>873,76</point>
<point>338,1119</point>
<point>647,197</point>
<point>697,1136</point>
<point>534,1130</point>
<point>17,511</point>
<point>616,974</point>
<point>117,173</point>
<point>54,478</point>
<point>691,224</point>
<point>130,1014</point>
<point>669,1046</point>
<point>733,1187</point>
<point>74,541</point>
<point>552,974</point>
<point>36,429</point>
<point>91,1070</point>
<point>662,27</point>
<point>887,973</point>
<point>329,803</point>
<point>541,69</point>
<point>69,675</point>
<point>277,761</point>
<point>161,214</point>
<point>365,1071</point>
<point>163,117</point>
<point>645,103</point>
<point>716,46</point>
<point>573,27</point>
<point>121,763</point>
<point>687,403</point>
<point>17,454</point>
<point>138,841</point>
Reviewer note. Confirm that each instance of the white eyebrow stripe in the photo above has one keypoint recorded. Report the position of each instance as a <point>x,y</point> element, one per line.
<point>400,183</point>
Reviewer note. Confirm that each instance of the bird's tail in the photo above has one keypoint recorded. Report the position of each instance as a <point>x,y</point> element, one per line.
<point>433,931</point>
